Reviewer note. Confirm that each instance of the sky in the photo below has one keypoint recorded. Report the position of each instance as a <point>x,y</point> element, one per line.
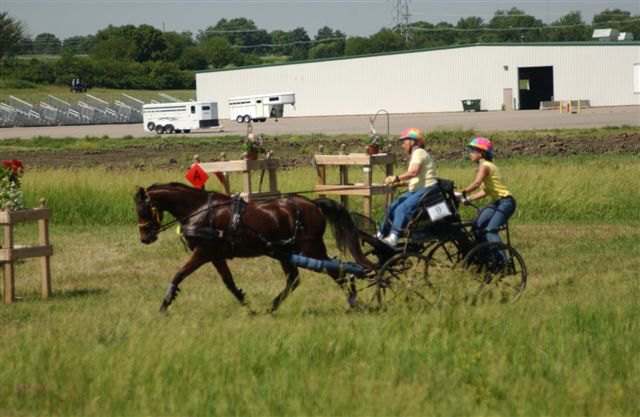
<point>66,18</point>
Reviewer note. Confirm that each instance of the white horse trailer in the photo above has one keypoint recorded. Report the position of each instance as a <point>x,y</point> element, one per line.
<point>179,117</point>
<point>259,107</point>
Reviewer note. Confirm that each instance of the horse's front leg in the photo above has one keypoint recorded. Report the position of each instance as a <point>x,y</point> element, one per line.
<point>224,271</point>
<point>195,262</point>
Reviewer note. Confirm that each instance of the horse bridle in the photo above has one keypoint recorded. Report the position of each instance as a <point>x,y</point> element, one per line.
<point>155,223</point>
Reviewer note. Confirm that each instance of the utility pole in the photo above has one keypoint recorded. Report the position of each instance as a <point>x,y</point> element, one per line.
<point>401,18</point>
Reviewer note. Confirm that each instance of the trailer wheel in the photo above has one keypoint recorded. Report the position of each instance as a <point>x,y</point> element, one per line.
<point>159,129</point>
<point>168,129</point>
<point>151,126</point>
<point>239,119</point>
<point>246,118</point>
<point>178,131</point>
<point>187,130</point>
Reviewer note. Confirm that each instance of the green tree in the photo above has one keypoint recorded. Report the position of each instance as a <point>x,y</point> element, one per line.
<point>176,44</point>
<point>570,27</point>
<point>70,66</point>
<point>140,44</point>
<point>289,41</point>
<point>192,58</point>
<point>386,40</point>
<point>470,30</point>
<point>11,36</point>
<point>46,44</point>
<point>357,45</point>
<point>79,45</point>
<point>426,35</point>
<point>515,25</point>
<point>239,32</point>
<point>332,44</point>
<point>218,52</point>
<point>150,44</point>
<point>113,49</point>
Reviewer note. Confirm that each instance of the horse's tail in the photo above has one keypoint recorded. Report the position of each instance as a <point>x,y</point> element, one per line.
<point>344,230</point>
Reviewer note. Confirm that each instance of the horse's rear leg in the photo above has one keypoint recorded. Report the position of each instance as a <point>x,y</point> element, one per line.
<point>292,283</point>
<point>318,250</point>
<point>224,271</point>
<point>195,262</point>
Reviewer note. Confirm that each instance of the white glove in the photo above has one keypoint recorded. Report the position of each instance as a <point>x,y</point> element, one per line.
<point>461,197</point>
<point>390,180</point>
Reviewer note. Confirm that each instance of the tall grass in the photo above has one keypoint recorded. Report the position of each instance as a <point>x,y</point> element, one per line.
<point>577,190</point>
<point>98,347</point>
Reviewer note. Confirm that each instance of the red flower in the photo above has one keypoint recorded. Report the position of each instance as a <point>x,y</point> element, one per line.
<point>15,165</point>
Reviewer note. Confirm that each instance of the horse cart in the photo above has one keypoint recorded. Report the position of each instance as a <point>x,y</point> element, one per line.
<point>438,249</point>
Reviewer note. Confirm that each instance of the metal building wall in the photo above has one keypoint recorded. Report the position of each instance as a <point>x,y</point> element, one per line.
<point>432,80</point>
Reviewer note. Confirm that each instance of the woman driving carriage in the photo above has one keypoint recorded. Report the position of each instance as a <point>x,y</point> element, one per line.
<point>495,215</point>
<point>420,178</point>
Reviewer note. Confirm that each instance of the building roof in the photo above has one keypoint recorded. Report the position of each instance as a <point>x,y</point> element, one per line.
<point>413,51</point>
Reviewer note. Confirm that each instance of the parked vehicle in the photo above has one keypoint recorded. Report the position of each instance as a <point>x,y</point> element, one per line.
<point>259,107</point>
<point>181,117</point>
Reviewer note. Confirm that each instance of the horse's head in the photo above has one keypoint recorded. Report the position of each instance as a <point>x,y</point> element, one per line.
<point>149,217</point>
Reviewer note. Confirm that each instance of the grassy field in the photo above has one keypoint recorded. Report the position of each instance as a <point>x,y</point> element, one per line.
<point>99,348</point>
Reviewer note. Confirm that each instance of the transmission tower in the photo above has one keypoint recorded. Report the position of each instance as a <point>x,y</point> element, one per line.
<point>401,18</point>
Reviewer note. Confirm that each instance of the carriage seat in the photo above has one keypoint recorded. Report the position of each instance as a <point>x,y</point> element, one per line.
<point>435,208</point>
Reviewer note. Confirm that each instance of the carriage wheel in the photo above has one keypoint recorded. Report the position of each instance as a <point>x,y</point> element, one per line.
<point>404,279</point>
<point>499,278</point>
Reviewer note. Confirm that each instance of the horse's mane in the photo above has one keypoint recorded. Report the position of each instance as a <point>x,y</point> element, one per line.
<point>179,186</point>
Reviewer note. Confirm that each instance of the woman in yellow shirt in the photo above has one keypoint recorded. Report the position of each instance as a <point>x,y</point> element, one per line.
<point>420,178</point>
<point>489,183</point>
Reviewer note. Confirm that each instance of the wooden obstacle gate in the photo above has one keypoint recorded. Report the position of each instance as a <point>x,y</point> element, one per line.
<point>367,189</point>
<point>247,168</point>
<point>9,253</point>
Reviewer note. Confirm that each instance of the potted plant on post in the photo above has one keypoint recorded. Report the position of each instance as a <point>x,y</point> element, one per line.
<point>252,146</point>
<point>375,142</point>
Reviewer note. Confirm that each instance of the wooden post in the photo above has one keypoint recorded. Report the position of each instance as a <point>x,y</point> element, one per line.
<point>9,288</point>
<point>9,253</point>
<point>45,264</point>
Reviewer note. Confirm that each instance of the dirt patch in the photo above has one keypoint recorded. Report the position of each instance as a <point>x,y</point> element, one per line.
<point>295,154</point>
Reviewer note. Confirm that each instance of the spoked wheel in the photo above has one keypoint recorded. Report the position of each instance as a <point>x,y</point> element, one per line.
<point>368,294</point>
<point>498,270</point>
<point>404,279</point>
<point>444,262</point>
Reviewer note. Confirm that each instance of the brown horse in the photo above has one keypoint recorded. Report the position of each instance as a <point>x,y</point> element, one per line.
<point>217,227</point>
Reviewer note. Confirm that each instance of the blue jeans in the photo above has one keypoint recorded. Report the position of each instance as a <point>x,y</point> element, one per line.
<point>400,211</point>
<point>491,218</point>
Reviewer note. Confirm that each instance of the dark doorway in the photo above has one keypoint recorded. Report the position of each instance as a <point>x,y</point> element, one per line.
<point>535,84</point>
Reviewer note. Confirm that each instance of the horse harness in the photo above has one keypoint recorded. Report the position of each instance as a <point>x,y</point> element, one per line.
<point>238,207</point>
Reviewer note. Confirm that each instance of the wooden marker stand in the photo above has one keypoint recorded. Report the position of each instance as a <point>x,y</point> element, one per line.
<point>10,253</point>
<point>344,189</point>
<point>247,168</point>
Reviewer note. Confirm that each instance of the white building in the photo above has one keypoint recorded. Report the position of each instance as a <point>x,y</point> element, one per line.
<point>517,76</point>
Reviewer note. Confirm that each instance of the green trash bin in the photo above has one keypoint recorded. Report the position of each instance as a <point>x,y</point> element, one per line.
<point>471,105</point>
